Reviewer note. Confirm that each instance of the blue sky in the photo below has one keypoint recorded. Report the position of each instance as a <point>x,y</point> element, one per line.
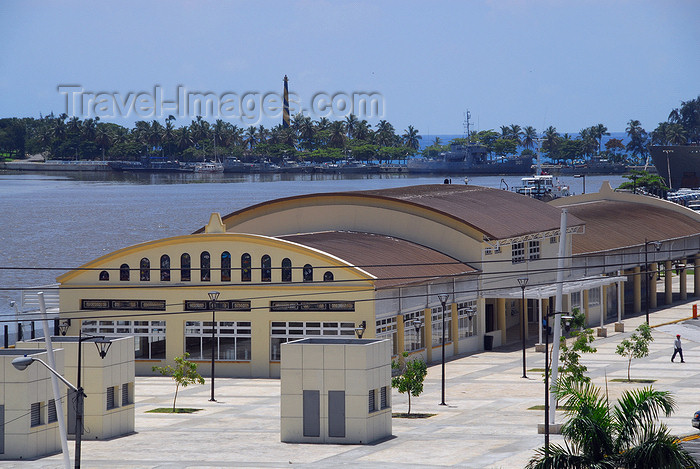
<point>537,62</point>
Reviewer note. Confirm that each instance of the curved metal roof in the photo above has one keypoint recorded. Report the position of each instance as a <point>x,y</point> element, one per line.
<point>498,214</point>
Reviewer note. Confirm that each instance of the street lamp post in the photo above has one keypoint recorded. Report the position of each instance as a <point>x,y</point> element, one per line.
<point>657,245</point>
<point>213,296</point>
<point>443,299</point>
<point>546,378</point>
<point>584,180</point>
<point>523,283</point>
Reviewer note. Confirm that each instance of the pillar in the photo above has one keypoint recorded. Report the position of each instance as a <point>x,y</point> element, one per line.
<point>684,280</point>
<point>454,327</point>
<point>584,305</point>
<point>428,334</point>
<point>668,283</point>
<point>400,337</point>
<point>501,318</point>
<point>637,275</point>
<point>653,278</point>
<point>696,276</point>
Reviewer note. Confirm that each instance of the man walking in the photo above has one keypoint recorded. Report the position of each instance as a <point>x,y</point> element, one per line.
<point>677,349</point>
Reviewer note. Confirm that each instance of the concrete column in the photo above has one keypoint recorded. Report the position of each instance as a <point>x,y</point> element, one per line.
<point>428,335</point>
<point>637,289</point>
<point>653,278</point>
<point>696,276</point>
<point>684,280</point>
<point>668,282</point>
<point>501,318</point>
<point>584,305</point>
<point>400,337</point>
<point>621,293</point>
<point>454,327</point>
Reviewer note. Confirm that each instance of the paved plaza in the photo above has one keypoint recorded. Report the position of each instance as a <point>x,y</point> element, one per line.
<point>487,423</point>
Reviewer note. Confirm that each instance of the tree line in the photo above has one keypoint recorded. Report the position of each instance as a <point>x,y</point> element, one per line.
<point>61,137</point>
<point>681,128</point>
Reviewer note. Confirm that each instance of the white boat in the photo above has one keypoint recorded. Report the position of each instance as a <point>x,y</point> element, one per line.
<point>208,167</point>
<point>542,187</point>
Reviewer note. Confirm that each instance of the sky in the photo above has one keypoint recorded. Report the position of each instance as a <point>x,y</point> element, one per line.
<point>568,64</point>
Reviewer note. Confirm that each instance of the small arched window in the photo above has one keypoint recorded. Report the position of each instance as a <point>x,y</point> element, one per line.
<point>185,268</point>
<point>245,267</point>
<point>145,270</point>
<point>328,276</point>
<point>124,272</point>
<point>308,273</point>
<point>205,266</point>
<point>286,270</point>
<point>164,268</point>
<point>104,276</point>
<point>225,266</point>
<point>266,269</point>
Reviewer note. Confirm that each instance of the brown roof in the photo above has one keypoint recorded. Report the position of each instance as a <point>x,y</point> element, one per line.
<point>614,225</point>
<point>393,261</point>
<point>499,214</point>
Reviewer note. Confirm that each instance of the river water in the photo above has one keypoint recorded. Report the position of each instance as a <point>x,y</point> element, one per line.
<point>52,222</point>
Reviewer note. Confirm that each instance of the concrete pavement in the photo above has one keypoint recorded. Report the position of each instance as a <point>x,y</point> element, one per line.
<point>487,423</point>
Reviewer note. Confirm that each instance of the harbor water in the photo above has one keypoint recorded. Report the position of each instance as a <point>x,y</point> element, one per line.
<point>53,222</point>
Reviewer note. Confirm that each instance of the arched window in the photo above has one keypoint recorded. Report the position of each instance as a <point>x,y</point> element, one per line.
<point>145,270</point>
<point>266,269</point>
<point>328,276</point>
<point>185,268</point>
<point>124,272</point>
<point>104,276</point>
<point>308,273</point>
<point>205,266</point>
<point>245,267</point>
<point>286,270</point>
<point>164,268</point>
<point>225,266</point>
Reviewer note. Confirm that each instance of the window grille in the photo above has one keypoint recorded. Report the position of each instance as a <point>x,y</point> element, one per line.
<point>533,250</point>
<point>36,414</point>
<point>413,340</point>
<point>594,296</point>
<point>52,411</point>
<point>383,397</point>
<point>436,316</point>
<point>372,405</point>
<point>205,266</point>
<point>386,329</point>
<point>518,252</point>
<point>233,340</point>
<point>282,332</point>
<point>466,319</point>
<point>149,336</point>
<point>110,398</point>
<point>164,268</point>
<point>145,270</point>
<point>125,394</point>
<point>185,268</point>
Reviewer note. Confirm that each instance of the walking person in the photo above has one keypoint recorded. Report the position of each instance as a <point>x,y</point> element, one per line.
<point>677,349</point>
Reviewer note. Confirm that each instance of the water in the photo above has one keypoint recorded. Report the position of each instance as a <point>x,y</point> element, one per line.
<point>53,222</point>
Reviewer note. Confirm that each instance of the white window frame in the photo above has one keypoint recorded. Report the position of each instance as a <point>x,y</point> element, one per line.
<point>411,342</point>
<point>467,324</point>
<point>387,329</point>
<point>239,331</point>
<point>436,323</point>
<point>517,252</point>
<point>154,331</point>
<point>533,249</point>
<point>286,331</point>
<point>594,296</point>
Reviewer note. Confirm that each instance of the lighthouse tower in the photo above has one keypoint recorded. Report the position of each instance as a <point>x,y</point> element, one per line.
<point>285,112</point>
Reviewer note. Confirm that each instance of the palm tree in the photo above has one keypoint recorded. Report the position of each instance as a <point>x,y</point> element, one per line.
<point>363,131</point>
<point>626,435</point>
<point>529,137</point>
<point>676,134</point>
<point>169,134</point>
<point>103,138</point>
<point>337,134</point>
<point>351,122</point>
<point>411,137</point>
<point>551,138</point>
<point>516,133</point>
<point>251,137</point>
<point>386,136</point>
<point>638,138</point>
<point>599,131</point>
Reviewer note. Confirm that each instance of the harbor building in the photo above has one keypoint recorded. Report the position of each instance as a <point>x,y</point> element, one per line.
<point>376,261</point>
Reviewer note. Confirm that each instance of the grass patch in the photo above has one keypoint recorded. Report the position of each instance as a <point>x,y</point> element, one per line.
<point>559,407</point>
<point>169,410</point>
<point>404,415</point>
<point>642,381</point>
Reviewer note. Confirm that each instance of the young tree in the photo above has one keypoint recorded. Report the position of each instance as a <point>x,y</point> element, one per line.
<point>637,346</point>
<point>570,366</point>
<point>184,373</point>
<point>411,377</point>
